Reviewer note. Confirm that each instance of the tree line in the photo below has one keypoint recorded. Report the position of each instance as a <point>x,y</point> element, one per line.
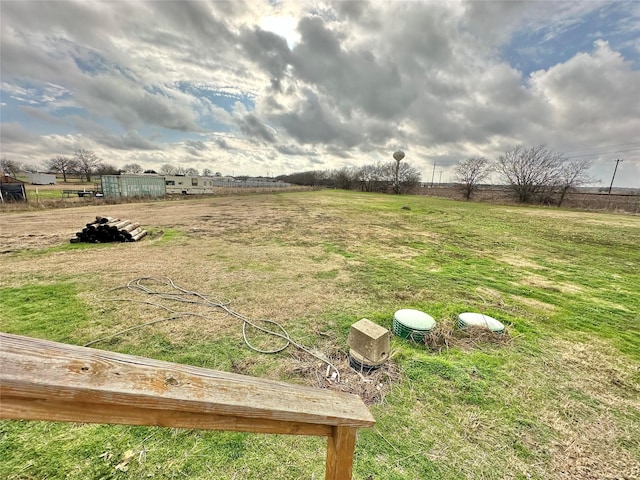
<point>396,177</point>
<point>85,163</point>
<point>535,175</point>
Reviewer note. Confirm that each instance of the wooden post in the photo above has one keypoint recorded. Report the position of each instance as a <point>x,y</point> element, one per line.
<point>340,447</point>
<point>43,380</point>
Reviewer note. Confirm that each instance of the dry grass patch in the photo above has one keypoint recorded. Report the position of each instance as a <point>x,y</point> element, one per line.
<point>446,335</point>
<point>593,452</point>
<point>490,296</point>
<point>599,371</point>
<point>538,281</point>
<point>520,262</point>
<point>597,385</point>
<point>533,303</point>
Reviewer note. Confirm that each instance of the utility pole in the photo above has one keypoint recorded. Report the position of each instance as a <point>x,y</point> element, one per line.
<point>433,174</point>
<point>614,174</point>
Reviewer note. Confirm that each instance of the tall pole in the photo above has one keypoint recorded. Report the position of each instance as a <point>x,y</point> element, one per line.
<point>440,181</point>
<point>433,174</point>
<point>397,156</point>
<point>614,175</point>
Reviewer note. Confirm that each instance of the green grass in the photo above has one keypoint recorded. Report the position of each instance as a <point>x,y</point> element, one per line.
<point>51,311</point>
<point>566,284</point>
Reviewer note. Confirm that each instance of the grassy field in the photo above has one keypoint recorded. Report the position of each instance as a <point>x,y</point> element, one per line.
<point>556,397</point>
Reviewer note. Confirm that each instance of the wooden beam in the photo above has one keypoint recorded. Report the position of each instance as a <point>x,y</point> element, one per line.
<point>340,448</point>
<point>41,376</point>
<point>64,411</point>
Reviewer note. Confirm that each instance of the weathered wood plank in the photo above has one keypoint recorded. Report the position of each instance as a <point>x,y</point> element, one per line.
<point>340,448</point>
<point>65,411</point>
<point>58,373</point>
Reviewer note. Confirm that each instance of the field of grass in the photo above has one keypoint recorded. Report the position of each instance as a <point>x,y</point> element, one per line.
<point>556,397</point>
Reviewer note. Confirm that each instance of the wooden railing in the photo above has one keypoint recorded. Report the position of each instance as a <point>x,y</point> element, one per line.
<point>44,380</point>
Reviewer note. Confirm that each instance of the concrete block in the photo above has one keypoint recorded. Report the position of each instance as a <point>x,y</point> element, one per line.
<point>369,341</point>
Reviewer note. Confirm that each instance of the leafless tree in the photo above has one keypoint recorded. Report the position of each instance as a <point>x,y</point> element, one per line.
<point>532,173</point>
<point>180,171</point>
<point>207,172</point>
<point>470,173</point>
<point>87,162</point>
<point>573,175</point>
<point>106,169</point>
<point>342,178</point>
<point>132,168</point>
<point>9,167</point>
<point>31,168</point>
<point>192,172</point>
<point>168,169</point>
<point>370,177</point>
<point>62,165</point>
<point>404,177</point>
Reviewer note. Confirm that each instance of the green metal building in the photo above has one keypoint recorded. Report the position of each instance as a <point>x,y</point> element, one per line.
<point>132,186</point>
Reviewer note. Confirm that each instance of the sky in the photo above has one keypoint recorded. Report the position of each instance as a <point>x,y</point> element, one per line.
<point>265,88</point>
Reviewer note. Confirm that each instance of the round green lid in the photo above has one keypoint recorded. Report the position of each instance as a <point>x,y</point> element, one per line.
<point>414,319</point>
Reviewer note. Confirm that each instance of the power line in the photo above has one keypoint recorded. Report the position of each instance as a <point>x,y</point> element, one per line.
<point>603,153</point>
<point>604,146</point>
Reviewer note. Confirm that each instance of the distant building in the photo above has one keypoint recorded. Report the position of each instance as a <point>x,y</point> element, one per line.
<point>12,190</point>
<point>189,185</point>
<point>117,186</point>
<point>42,179</point>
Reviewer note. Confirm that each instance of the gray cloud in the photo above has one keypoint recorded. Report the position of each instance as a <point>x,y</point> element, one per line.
<point>14,132</point>
<point>251,126</point>
<point>361,79</point>
<point>293,149</point>
<point>269,51</point>
<point>196,144</point>
<point>129,141</point>
<point>312,123</point>
<point>222,143</point>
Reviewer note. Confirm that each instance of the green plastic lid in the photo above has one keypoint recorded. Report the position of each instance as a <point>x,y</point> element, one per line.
<point>414,319</point>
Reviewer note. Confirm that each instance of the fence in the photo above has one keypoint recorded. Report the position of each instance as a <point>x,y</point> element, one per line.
<point>575,199</point>
<point>44,380</point>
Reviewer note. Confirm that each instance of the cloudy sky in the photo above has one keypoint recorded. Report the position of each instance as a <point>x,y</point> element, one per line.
<point>275,87</point>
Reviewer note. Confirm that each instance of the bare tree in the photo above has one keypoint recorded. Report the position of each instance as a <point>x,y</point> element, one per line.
<point>180,171</point>
<point>31,168</point>
<point>9,167</point>
<point>342,178</point>
<point>370,177</point>
<point>62,165</point>
<point>106,169</point>
<point>403,176</point>
<point>470,173</point>
<point>168,169</point>
<point>532,173</point>
<point>87,162</point>
<point>573,175</point>
<point>207,172</point>
<point>132,168</point>
<point>409,177</point>
<point>192,172</point>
